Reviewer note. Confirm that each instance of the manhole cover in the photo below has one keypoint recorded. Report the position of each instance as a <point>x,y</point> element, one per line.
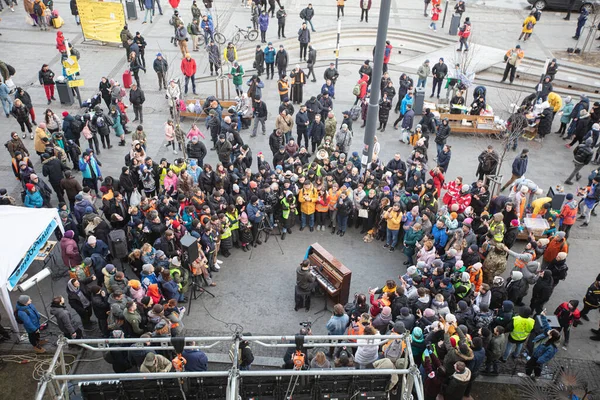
<point>346,72</point>
<point>149,110</point>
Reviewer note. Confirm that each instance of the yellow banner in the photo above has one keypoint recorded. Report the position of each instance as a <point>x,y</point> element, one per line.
<point>101,21</point>
<point>76,83</point>
<point>71,65</point>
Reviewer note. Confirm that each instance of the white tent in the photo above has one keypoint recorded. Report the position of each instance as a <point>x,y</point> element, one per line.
<point>23,233</point>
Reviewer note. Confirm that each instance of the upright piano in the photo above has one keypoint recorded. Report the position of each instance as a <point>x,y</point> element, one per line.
<point>333,276</point>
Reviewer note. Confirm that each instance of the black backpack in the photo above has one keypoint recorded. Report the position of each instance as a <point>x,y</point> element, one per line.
<point>76,125</point>
<point>37,9</point>
<point>17,318</point>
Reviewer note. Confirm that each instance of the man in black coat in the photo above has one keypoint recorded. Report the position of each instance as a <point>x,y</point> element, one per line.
<point>53,169</point>
<point>196,149</point>
<point>137,98</point>
<point>101,308</point>
<point>281,59</point>
<point>439,72</point>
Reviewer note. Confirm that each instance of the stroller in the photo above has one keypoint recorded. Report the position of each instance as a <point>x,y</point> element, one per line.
<point>92,102</point>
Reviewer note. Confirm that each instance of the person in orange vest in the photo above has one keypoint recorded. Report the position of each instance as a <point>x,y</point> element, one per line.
<point>568,215</point>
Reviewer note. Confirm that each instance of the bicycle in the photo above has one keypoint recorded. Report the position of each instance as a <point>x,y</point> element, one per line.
<point>219,37</point>
<point>249,34</point>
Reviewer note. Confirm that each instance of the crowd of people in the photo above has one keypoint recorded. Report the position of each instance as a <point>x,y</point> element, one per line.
<point>463,317</point>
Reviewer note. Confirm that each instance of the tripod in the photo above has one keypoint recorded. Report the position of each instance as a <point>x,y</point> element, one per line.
<point>196,291</point>
<point>324,309</point>
<point>266,227</point>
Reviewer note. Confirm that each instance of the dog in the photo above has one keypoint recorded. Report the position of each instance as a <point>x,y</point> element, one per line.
<point>368,238</point>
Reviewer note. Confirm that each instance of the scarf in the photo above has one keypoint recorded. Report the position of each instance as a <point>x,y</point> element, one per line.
<point>84,300</point>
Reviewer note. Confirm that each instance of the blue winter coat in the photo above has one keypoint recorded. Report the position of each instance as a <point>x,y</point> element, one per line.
<point>544,352</point>
<point>406,100</point>
<point>196,360</point>
<point>329,89</point>
<point>440,236</point>
<point>149,4</point>
<point>34,199</point>
<point>208,23</point>
<point>263,21</point>
<point>30,317</point>
<point>85,168</point>
<point>170,290</point>
<point>269,55</point>
<point>519,166</point>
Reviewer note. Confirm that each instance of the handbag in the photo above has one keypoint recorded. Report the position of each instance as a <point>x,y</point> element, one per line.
<point>86,132</point>
<point>136,198</point>
<point>11,85</point>
<point>29,20</point>
<point>363,213</point>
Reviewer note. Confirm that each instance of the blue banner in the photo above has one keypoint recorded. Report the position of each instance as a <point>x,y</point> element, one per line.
<point>30,255</point>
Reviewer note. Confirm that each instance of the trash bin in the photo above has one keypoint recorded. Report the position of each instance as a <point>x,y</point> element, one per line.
<point>454,24</point>
<point>65,94</point>
<point>131,9</point>
<point>419,99</point>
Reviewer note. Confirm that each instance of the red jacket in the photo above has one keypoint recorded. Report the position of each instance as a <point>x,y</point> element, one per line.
<point>565,316</point>
<point>438,182</point>
<point>363,82</point>
<point>387,54</point>
<point>188,67</point>
<point>60,42</point>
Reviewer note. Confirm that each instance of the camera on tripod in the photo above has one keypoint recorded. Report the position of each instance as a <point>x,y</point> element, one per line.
<point>306,324</point>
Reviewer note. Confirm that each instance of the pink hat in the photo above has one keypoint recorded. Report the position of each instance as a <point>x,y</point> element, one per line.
<point>244,218</point>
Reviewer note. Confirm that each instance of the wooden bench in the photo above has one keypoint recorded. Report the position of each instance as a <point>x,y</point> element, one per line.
<point>477,123</point>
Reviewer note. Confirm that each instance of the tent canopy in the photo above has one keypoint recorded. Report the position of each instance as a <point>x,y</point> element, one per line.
<point>23,233</point>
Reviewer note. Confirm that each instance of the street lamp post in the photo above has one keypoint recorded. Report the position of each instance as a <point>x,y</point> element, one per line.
<point>384,16</point>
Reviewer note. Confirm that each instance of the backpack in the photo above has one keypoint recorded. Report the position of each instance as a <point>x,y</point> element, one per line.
<point>529,26</point>
<point>394,351</point>
<point>100,122</point>
<point>37,9</point>
<point>76,125</point>
<point>356,90</point>
<point>189,28</point>
<point>17,318</point>
<point>355,112</point>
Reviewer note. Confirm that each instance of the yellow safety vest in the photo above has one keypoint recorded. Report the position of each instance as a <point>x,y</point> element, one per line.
<point>521,328</point>
<point>234,222</point>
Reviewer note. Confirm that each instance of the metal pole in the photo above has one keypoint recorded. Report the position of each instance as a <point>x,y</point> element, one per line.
<point>445,11</point>
<point>337,45</point>
<point>232,380</point>
<point>138,375</point>
<point>324,372</point>
<point>384,16</point>
<point>63,370</point>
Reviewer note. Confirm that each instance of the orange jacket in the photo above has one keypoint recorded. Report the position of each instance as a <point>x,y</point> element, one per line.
<point>322,204</point>
<point>476,278</point>
<point>307,205</point>
<point>554,247</point>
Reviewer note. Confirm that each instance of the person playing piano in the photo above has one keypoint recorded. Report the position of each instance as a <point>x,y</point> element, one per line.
<point>305,283</point>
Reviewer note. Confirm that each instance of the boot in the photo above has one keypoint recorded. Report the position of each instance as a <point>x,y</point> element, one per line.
<point>283,236</point>
<point>333,230</point>
<point>39,350</point>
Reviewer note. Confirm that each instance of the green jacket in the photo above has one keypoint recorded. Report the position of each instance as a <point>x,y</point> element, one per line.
<point>238,75</point>
<point>412,237</point>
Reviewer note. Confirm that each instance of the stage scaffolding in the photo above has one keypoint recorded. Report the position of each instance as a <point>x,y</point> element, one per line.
<point>55,382</point>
